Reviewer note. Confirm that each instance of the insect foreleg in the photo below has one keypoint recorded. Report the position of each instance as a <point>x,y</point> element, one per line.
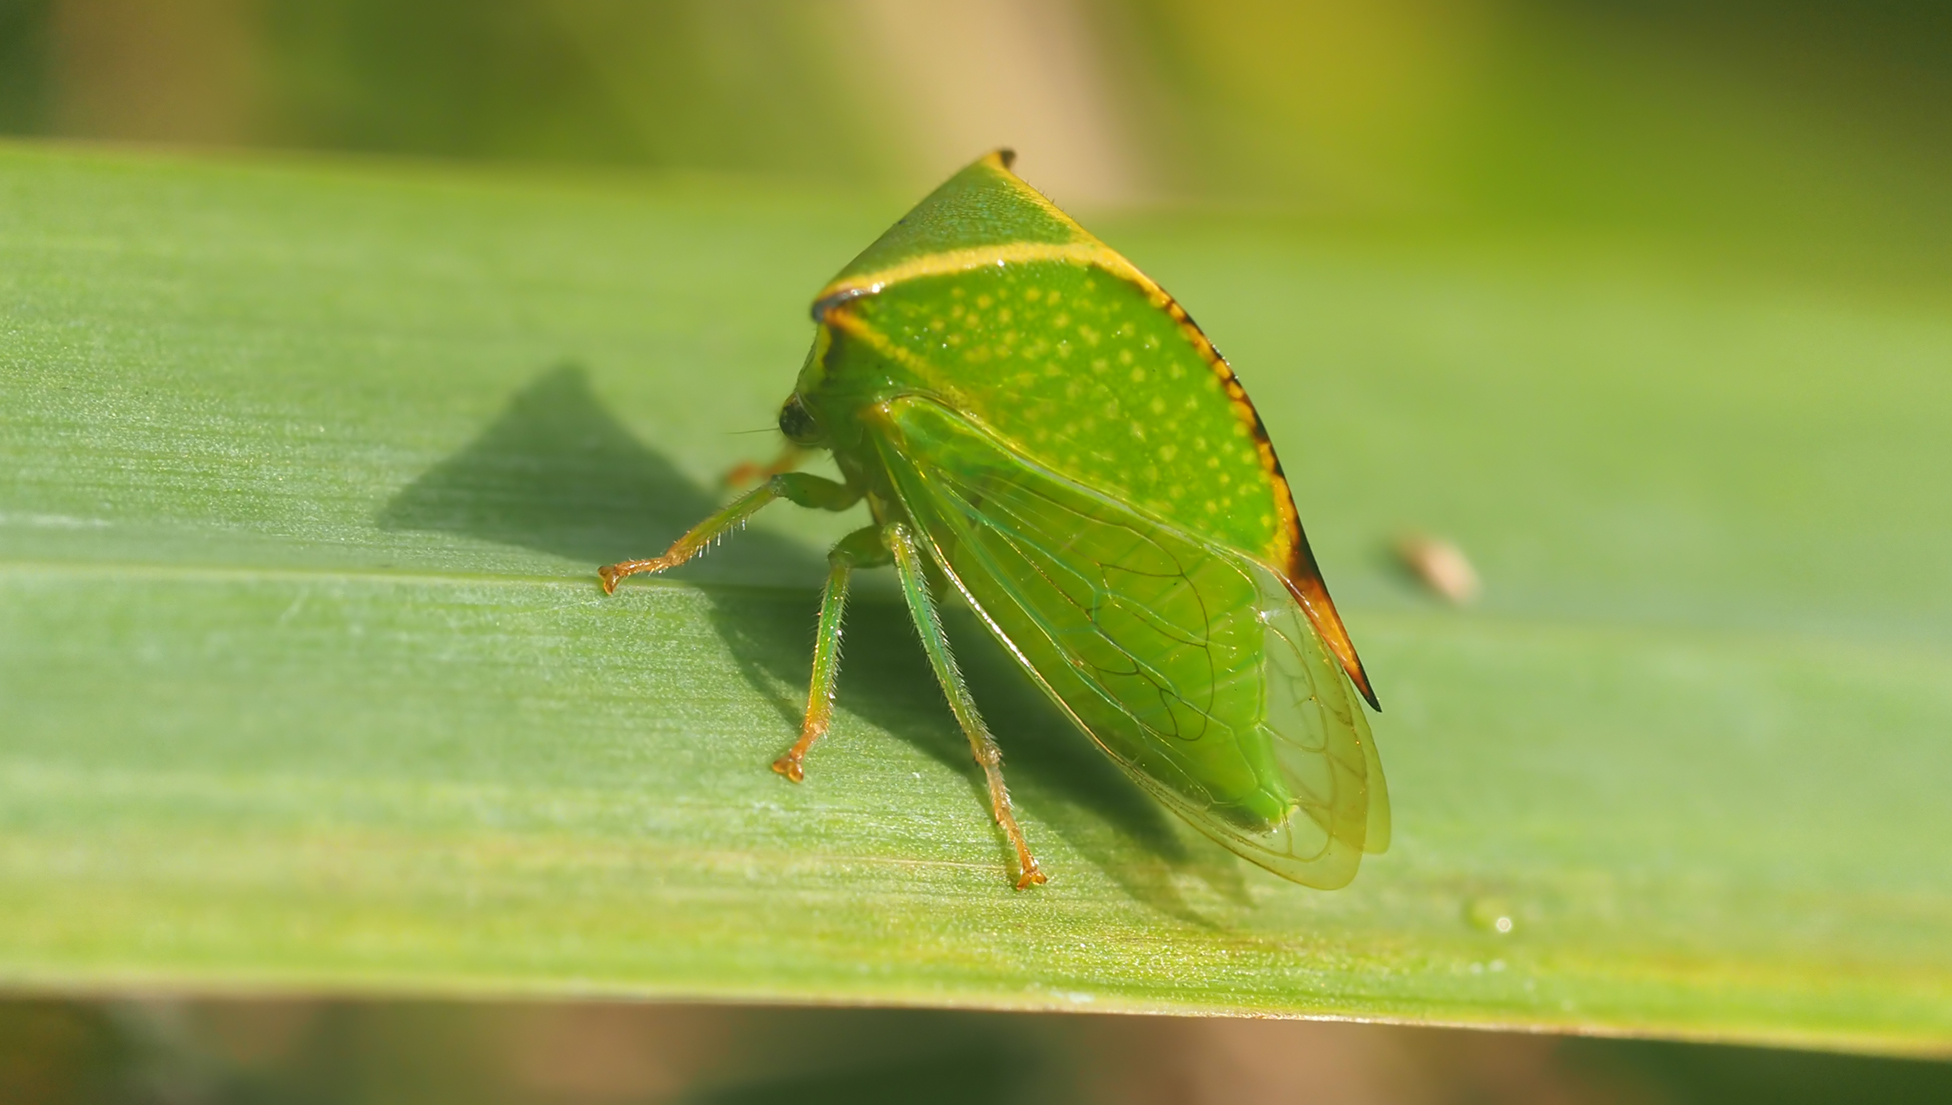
<point>861,549</point>
<point>921,606</point>
<point>789,458</point>
<point>809,491</point>
<point>815,492</point>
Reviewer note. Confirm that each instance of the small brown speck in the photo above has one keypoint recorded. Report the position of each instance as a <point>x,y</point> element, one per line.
<point>1441,566</point>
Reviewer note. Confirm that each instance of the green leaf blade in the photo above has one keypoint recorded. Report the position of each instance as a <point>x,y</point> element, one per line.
<point>305,681</point>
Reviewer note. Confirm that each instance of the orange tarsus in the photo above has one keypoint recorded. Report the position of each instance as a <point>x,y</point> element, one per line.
<point>749,472</point>
<point>612,574</point>
<point>792,763</point>
<point>1005,811</point>
<point>1032,874</point>
<point>743,473</point>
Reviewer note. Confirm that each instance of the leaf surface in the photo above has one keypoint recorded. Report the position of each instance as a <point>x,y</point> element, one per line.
<point>307,684</point>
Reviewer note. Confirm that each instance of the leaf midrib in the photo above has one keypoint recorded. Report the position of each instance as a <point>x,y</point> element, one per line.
<point>1482,624</point>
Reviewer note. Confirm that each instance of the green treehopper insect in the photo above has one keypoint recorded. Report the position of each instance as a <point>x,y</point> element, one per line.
<point>1036,424</point>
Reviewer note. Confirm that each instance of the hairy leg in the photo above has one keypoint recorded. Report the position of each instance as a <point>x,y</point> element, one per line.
<point>808,491</point>
<point>861,549</point>
<point>921,606</point>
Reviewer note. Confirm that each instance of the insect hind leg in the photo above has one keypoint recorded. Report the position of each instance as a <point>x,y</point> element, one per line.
<point>861,549</point>
<point>928,623</point>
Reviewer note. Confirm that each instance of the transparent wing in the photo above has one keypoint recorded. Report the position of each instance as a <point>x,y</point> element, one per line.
<point>1189,664</point>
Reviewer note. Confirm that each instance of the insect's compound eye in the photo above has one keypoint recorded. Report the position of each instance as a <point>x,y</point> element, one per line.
<point>797,423</point>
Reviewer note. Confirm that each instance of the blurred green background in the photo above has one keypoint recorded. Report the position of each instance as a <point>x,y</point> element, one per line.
<point>215,1052</point>
<point>1811,128</point>
<point>1807,141</point>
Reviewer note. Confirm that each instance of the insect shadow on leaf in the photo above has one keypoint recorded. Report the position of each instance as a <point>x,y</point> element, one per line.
<point>557,472</point>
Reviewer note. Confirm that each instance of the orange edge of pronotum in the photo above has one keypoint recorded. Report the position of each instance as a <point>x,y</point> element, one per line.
<point>1289,550</point>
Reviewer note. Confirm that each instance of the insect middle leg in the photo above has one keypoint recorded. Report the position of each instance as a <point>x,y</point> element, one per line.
<point>805,490</point>
<point>861,549</point>
<point>928,623</point>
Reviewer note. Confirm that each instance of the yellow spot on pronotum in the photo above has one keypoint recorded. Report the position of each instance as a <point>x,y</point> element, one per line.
<point>1003,314</point>
<point>984,300</point>
<point>1099,364</point>
<point>1031,295</point>
<point>1138,431</point>
<point>1138,375</point>
<point>1158,405</point>
<point>1168,452</point>
<point>1062,318</point>
<point>1212,507</point>
<point>1125,357</point>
